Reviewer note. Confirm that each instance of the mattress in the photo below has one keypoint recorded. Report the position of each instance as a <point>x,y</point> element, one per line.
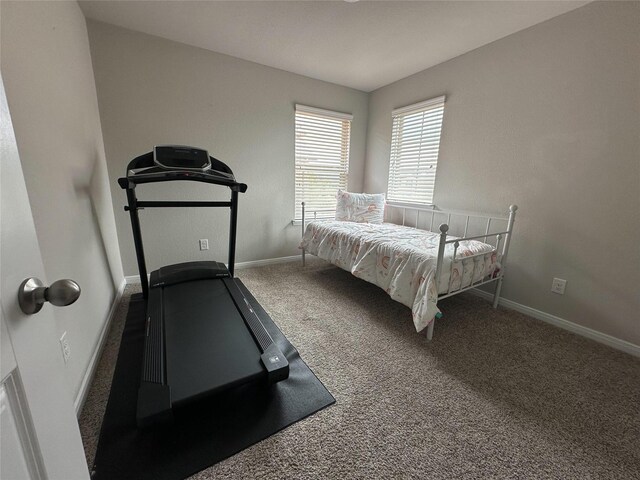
<point>400,260</point>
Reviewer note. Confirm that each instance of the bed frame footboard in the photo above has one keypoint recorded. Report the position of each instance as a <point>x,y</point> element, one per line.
<point>501,251</point>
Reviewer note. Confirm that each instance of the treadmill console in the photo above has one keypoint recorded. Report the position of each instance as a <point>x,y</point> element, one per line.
<point>177,157</point>
<point>175,162</point>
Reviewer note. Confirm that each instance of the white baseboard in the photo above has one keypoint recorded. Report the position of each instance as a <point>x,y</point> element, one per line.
<point>132,279</point>
<point>587,332</point>
<point>239,266</point>
<point>93,362</point>
<point>269,261</point>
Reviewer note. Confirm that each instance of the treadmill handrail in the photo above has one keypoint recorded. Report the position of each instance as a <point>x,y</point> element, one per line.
<point>174,175</point>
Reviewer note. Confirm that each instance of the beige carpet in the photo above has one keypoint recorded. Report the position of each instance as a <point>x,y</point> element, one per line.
<point>496,394</point>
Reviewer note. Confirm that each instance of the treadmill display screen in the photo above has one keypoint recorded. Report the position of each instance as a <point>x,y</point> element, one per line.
<point>177,157</point>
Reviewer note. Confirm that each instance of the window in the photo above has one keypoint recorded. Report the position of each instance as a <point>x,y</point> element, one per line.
<point>322,158</point>
<point>415,142</point>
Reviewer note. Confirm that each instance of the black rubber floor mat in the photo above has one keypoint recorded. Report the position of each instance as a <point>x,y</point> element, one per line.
<point>203,433</point>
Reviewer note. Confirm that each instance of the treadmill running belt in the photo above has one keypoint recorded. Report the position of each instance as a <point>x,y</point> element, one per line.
<point>205,432</point>
<point>208,345</point>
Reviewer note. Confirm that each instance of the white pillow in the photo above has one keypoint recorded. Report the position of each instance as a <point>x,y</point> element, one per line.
<point>360,207</point>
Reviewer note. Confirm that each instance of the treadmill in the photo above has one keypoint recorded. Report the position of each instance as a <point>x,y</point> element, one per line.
<point>202,335</point>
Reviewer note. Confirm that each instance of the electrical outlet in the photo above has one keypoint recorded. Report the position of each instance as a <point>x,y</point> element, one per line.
<point>204,244</point>
<point>66,349</point>
<point>558,285</point>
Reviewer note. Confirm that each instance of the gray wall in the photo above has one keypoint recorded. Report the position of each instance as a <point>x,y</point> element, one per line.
<point>548,119</point>
<point>154,91</point>
<point>46,67</point>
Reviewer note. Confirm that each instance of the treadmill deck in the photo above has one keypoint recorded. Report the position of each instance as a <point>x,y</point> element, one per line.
<point>208,347</point>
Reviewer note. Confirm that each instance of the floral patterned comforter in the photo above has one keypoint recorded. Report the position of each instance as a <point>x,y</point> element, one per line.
<point>401,260</point>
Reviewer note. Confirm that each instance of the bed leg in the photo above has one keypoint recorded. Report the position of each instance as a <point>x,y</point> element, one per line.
<point>302,225</point>
<point>430,329</point>
<point>496,295</point>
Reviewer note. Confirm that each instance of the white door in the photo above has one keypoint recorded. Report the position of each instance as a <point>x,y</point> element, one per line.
<point>40,437</point>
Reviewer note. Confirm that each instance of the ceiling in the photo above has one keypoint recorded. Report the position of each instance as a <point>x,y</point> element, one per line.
<point>363,45</point>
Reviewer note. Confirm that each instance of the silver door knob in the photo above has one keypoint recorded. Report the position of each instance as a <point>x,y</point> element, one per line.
<point>32,294</point>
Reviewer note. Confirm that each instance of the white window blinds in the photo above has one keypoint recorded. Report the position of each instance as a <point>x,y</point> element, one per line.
<point>415,142</point>
<point>321,158</point>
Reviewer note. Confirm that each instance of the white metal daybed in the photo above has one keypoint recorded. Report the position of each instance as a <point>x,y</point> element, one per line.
<point>405,261</point>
